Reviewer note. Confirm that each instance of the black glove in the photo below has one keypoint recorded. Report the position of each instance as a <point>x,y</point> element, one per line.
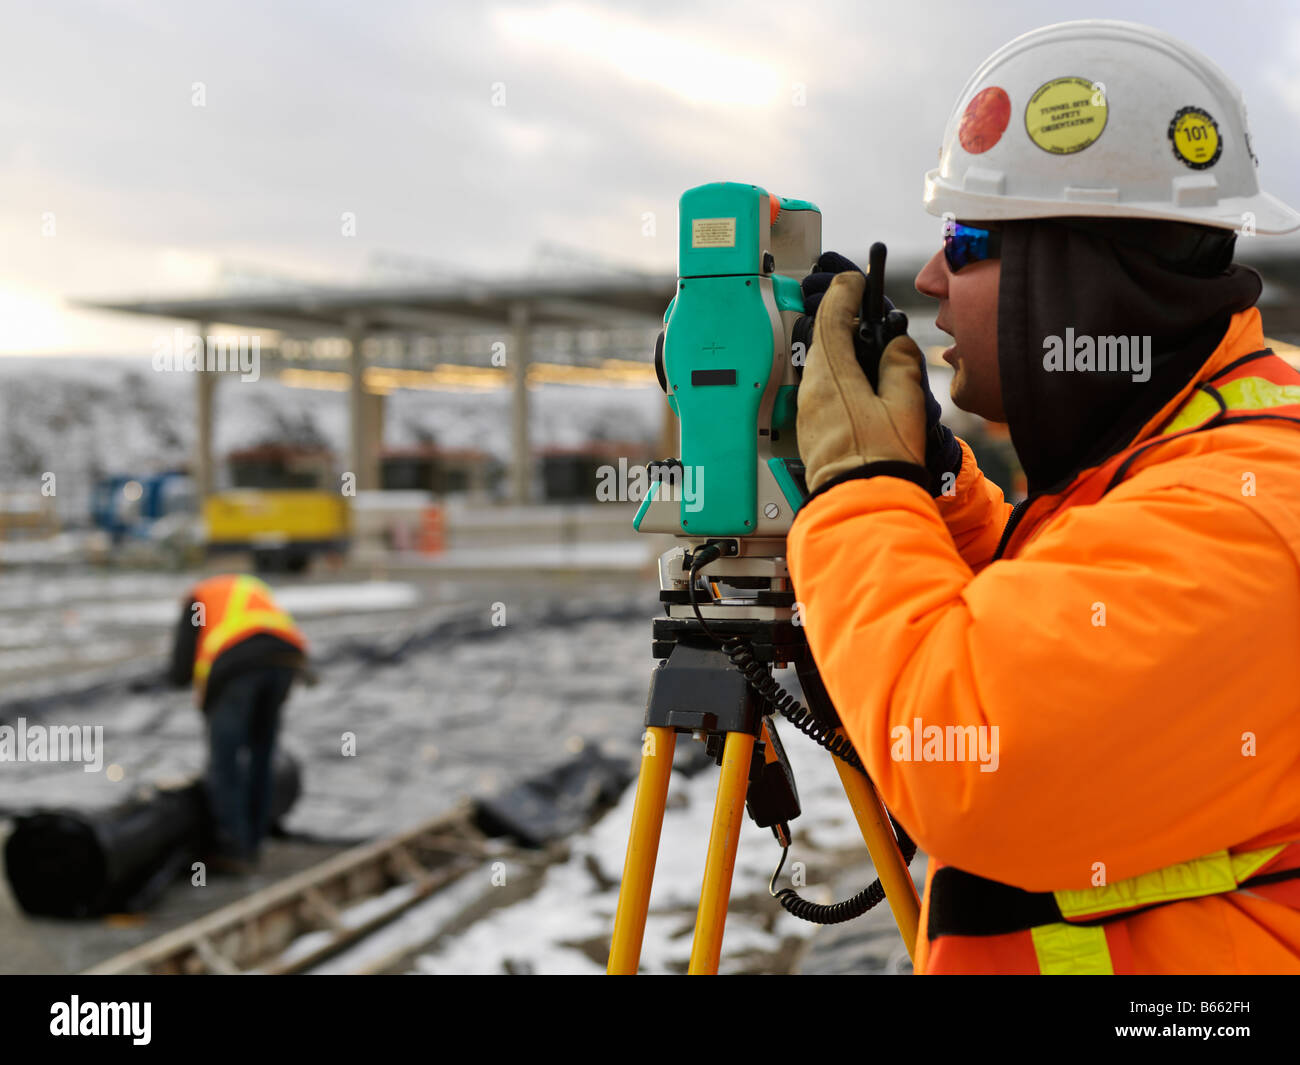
<point>942,452</point>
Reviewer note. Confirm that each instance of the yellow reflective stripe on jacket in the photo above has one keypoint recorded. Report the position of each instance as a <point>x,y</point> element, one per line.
<point>1214,874</point>
<point>1247,864</point>
<point>1070,950</point>
<point>1243,394</point>
<point>1065,949</point>
<point>237,618</point>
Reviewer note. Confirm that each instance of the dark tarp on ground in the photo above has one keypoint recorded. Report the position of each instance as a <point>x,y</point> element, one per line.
<point>557,802</point>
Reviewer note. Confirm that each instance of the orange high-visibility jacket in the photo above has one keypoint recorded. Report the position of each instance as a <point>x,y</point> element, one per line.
<point>235,607</point>
<point>1136,646</point>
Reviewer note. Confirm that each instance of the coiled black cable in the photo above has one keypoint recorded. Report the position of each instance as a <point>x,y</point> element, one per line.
<point>773,695</point>
<point>837,913</point>
<point>780,700</point>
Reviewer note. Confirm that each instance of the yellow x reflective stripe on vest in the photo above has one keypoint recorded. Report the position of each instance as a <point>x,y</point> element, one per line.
<point>247,609</point>
<point>1066,949</point>
<point>1239,395</point>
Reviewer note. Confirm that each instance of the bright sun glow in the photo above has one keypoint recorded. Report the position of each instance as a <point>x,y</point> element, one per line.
<point>697,68</point>
<point>32,321</point>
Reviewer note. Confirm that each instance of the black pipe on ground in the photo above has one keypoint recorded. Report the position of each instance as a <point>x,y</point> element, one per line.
<point>63,863</point>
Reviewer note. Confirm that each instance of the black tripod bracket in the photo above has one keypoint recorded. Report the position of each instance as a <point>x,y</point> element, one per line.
<point>698,689</point>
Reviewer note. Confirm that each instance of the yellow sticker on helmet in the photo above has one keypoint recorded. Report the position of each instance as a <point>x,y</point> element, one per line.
<point>1195,138</point>
<point>1066,115</point>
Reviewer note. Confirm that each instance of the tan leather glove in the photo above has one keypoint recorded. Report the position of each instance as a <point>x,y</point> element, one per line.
<point>842,422</point>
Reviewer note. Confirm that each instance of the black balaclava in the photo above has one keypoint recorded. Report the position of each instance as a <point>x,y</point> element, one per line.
<point>1171,281</point>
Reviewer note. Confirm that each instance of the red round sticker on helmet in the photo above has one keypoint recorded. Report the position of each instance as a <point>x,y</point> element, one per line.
<point>985,120</point>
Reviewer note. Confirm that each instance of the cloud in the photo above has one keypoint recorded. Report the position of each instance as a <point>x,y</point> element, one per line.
<point>611,111</point>
<point>698,67</point>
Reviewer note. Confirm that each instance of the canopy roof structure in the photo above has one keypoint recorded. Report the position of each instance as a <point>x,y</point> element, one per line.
<point>576,329</point>
<point>588,330</point>
<point>564,303</point>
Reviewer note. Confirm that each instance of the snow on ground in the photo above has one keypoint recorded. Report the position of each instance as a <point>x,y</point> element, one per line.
<point>629,555</point>
<point>80,621</point>
<point>58,623</point>
<point>80,418</point>
<point>304,601</point>
<point>466,713</point>
<point>311,599</point>
<point>470,708</point>
<point>565,926</point>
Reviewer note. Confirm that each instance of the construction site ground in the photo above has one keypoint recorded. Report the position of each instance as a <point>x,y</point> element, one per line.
<point>449,685</point>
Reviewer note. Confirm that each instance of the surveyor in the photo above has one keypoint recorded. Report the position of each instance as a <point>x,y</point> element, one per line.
<point>242,652</point>
<point>1126,637</point>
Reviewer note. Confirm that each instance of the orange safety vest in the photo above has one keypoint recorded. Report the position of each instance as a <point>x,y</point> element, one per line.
<point>972,921</point>
<point>235,608</point>
<point>939,635</point>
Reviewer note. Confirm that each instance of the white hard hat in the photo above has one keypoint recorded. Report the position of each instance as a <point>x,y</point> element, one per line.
<point>1102,119</point>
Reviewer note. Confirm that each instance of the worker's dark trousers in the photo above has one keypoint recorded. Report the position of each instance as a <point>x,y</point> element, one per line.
<point>243,721</point>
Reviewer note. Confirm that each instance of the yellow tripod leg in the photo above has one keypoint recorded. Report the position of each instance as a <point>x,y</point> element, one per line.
<point>642,851</point>
<point>724,839</point>
<point>900,892</point>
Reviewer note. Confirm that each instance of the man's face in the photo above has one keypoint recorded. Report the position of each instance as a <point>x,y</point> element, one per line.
<point>968,312</point>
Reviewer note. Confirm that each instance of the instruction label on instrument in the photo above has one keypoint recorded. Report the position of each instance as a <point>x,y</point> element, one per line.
<point>1195,138</point>
<point>713,232</point>
<point>1066,115</point>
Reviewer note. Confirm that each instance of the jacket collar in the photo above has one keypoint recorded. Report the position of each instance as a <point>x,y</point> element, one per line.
<point>1245,334</point>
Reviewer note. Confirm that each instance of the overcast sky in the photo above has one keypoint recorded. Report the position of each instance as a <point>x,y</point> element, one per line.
<point>386,110</point>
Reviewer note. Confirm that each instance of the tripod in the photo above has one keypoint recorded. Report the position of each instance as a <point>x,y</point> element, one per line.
<point>714,681</point>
